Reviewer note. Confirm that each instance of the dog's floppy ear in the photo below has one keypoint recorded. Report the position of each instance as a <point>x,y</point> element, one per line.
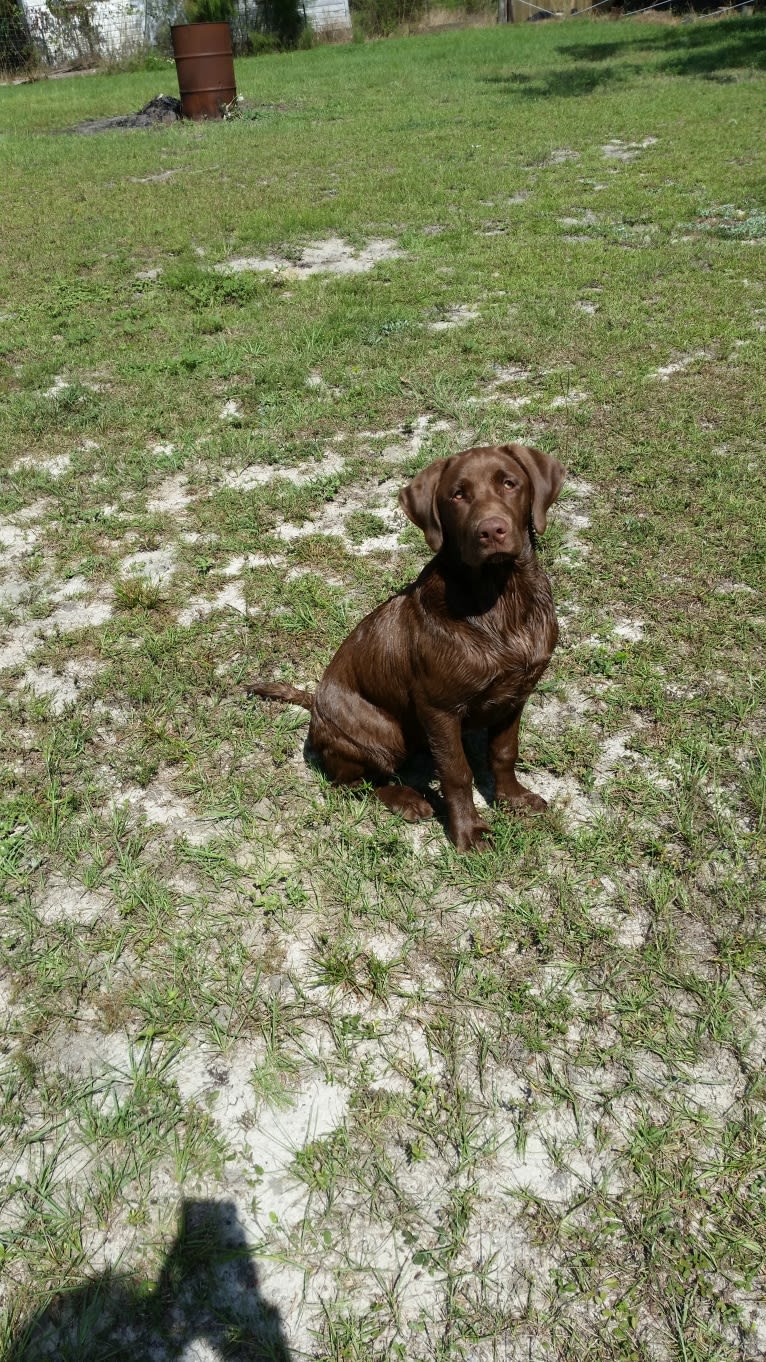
<point>418,501</point>
<point>546,476</point>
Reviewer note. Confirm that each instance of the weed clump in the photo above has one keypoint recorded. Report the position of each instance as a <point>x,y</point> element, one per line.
<point>282,25</point>
<point>209,11</point>
<point>137,593</point>
<point>380,18</point>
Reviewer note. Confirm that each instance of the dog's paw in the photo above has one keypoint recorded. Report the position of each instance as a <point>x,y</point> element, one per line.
<point>415,809</point>
<point>521,798</point>
<point>405,801</point>
<point>471,836</point>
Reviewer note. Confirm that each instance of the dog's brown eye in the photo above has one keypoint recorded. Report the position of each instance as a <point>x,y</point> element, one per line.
<point>511,482</point>
<point>458,494</point>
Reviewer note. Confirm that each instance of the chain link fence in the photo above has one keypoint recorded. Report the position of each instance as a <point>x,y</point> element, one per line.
<point>16,49</point>
<point>78,34</point>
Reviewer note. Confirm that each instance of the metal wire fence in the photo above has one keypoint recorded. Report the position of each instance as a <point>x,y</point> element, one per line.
<point>16,49</point>
<point>631,9</point>
<point>84,33</point>
<point>72,34</point>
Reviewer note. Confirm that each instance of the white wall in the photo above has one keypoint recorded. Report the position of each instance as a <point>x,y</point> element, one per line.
<point>104,27</point>
<point>328,14</point>
<point>118,27</point>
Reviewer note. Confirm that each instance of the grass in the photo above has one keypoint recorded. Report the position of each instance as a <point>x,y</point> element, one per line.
<point>282,1075</point>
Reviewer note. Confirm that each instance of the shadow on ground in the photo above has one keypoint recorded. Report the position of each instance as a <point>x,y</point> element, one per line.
<point>706,47</point>
<point>207,1295</point>
<point>711,49</point>
<point>418,770</point>
<point>575,80</point>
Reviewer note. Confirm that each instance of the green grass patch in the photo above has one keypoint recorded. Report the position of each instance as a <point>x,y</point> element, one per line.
<point>278,1071</point>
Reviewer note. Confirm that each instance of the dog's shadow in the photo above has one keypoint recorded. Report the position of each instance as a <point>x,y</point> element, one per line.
<point>419,771</point>
<point>207,1302</point>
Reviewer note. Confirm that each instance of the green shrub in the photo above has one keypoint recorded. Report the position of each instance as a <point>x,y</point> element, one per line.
<point>210,11</point>
<point>261,44</point>
<point>284,19</point>
<point>378,18</point>
<point>16,47</point>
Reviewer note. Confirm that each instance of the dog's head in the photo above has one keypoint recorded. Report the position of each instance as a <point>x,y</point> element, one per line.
<point>479,504</point>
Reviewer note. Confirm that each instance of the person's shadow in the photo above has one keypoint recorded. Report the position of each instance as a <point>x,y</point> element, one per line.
<point>207,1294</point>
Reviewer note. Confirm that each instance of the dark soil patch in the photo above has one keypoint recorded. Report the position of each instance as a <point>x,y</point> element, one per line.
<point>159,111</point>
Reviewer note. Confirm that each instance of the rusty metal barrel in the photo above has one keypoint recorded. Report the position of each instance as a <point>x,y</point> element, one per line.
<point>205,67</point>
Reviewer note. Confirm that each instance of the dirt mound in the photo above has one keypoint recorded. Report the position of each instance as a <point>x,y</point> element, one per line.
<point>160,110</point>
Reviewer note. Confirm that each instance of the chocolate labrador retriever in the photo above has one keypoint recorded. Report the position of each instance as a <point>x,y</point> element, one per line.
<point>462,647</point>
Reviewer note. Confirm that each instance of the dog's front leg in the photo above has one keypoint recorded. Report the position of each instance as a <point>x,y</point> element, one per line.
<point>503,752</point>
<point>445,738</point>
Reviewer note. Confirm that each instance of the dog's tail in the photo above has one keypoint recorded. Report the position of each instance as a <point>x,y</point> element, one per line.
<point>279,691</point>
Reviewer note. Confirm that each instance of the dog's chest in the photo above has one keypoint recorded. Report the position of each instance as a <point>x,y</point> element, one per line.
<point>507,664</point>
